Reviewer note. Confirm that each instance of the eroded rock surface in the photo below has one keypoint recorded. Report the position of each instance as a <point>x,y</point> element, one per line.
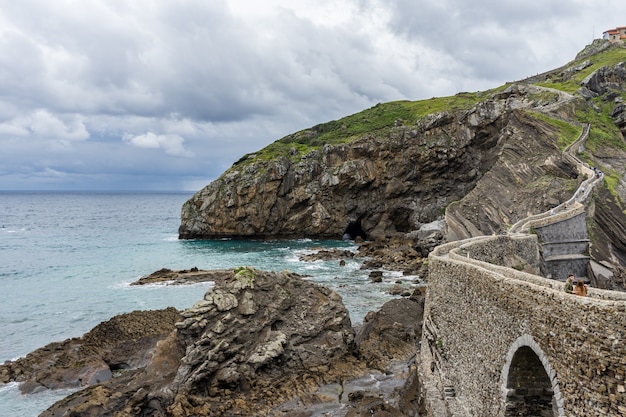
<point>184,276</point>
<point>254,341</point>
<point>122,343</point>
<point>398,182</point>
<point>393,332</point>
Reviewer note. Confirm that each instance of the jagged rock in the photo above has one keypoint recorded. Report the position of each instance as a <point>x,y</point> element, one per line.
<point>328,255</point>
<point>254,341</point>
<point>619,117</point>
<point>122,343</point>
<point>397,184</point>
<point>183,276</point>
<point>398,254</point>
<point>392,333</point>
<point>388,185</point>
<point>605,79</point>
<point>595,47</point>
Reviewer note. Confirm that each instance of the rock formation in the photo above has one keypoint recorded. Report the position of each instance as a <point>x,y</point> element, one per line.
<point>400,181</point>
<point>393,332</point>
<point>432,171</point>
<point>254,341</point>
<point>123,343</point>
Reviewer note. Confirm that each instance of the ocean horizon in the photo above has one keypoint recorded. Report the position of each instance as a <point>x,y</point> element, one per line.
<point>67,259</point>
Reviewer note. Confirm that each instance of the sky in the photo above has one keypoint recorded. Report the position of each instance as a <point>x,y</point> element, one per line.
<point>161,95</point>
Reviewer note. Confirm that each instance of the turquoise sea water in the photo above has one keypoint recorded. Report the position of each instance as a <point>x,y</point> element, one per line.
<point>67,258</point>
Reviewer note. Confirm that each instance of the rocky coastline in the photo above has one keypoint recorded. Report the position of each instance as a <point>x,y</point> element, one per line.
<point>264,343</point>
<point>259,343</point>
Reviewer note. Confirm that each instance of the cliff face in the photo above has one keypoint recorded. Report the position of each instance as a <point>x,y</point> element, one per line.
<point>386,184</point>
<point>443,172</point>
<point>396,182</point>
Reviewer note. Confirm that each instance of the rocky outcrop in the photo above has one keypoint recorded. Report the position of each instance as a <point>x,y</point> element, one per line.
<point>256,340</point>
<point>123,343</point>
<point>606,79</point>
<point>376,186</point>
<point>181,277</point>
<point>399,182</point>
<point>428,177</point>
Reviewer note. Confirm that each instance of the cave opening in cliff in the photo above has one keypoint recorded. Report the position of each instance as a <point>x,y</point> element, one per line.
<point>529,388</point>
<point>354,230</point>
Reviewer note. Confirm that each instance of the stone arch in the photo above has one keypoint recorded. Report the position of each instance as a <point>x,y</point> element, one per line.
<point>529,382</point>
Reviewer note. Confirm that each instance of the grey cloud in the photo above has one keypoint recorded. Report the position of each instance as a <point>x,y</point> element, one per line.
<point>108,94</point>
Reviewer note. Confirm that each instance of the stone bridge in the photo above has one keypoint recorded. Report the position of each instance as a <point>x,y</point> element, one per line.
<point>499,339</point>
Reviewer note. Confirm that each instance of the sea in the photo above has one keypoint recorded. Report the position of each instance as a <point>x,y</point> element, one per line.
<point>67,260</point>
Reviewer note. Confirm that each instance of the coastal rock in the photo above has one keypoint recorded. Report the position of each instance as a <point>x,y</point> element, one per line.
<point>328,255</point>
<point>254,341</point>
<point>393,332</point>
<point>183,276</point>
<point>396,254</point>
<point>122,343</point>
<point>447,175</point>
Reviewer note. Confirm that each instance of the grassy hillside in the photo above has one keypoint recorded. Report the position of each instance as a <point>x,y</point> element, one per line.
<point>379,119</point>
<point>375,120</point>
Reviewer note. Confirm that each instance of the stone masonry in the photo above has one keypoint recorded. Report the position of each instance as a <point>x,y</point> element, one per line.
<point>501,342</point>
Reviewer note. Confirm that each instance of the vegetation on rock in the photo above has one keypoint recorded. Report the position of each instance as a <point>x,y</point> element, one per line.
<point>431,170</point>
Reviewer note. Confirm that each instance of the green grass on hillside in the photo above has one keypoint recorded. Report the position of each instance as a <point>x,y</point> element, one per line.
<point>610,57</point>
<point>381,119</point>
<point>376,120</point>
<point>567,132</point>
<point>604,132</point>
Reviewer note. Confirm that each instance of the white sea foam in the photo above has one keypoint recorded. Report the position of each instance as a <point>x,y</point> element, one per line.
<point>11,386</point>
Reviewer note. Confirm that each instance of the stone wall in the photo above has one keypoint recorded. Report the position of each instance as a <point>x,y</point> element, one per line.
<point>564,245</point>
<point>481,318</point>
<point>564,248</point>
<point>569,229</point>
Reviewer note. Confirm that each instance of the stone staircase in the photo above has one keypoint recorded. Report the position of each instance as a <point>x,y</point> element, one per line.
<point>562,231</point>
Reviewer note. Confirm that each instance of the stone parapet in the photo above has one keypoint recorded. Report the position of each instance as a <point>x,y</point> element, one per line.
<point>480,316</point>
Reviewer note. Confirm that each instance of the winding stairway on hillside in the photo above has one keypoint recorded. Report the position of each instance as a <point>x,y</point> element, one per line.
<point>562,231</point>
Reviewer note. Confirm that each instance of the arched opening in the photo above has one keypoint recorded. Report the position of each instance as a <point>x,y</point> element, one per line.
<point>529,390</point>
<point>354,230</point>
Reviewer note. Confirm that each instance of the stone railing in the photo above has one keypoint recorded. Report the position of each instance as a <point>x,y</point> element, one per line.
<point>478,314</point>
<point>482,316</point>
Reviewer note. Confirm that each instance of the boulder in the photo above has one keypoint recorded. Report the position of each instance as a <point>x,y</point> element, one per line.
<point>392,333</point>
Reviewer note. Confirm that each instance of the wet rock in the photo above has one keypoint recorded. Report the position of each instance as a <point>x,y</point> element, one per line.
<point>124,342</point>
<point>256,340</point>
<point>328,255</point>
<point>376,276</point>
<point>183,276</point>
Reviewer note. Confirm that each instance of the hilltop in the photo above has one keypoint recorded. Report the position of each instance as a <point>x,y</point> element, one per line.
<point>437,170</point>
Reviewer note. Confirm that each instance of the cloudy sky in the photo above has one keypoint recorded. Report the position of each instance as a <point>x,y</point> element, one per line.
<point>166,95</point>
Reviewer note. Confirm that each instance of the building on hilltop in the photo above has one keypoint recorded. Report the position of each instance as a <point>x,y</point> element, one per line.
<point>615,35</point>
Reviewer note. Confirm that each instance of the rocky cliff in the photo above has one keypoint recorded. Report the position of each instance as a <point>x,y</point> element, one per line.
<point>435,170</point>
<point>396,181</point>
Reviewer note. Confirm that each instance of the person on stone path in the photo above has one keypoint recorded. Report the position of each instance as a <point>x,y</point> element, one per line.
<point>569,284</point>
<point>580,288</point>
